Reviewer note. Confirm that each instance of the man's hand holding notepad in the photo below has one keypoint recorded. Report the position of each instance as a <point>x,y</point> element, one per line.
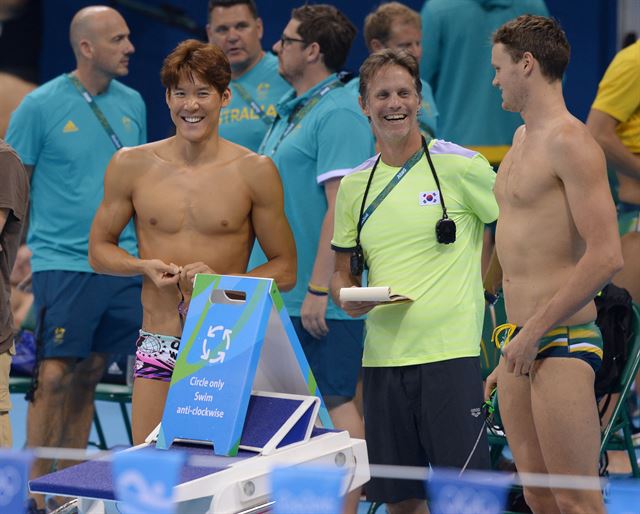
<point>380,295</point>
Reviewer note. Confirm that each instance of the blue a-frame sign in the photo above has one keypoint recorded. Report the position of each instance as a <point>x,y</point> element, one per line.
<point>237,338</point>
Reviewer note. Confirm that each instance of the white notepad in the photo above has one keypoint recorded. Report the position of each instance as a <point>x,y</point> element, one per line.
<point>371,294</point>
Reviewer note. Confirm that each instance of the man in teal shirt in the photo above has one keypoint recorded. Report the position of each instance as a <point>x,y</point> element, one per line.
<point>456,38</point>
<point>255,85</point>
<point>396,26</point>
<point>66,145</point>
<point>319,135</point>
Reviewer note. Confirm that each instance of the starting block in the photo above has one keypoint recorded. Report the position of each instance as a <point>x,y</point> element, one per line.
<point>242,400</point>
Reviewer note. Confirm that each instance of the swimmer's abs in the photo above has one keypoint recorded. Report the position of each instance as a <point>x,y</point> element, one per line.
<point>160,311</point>
<point>526,299</point>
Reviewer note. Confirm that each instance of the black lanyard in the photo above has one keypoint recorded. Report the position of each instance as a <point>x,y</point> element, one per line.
<point>296,116</point>
<point>445,227</point>
<point>365,215</point>
<point>96,110</point>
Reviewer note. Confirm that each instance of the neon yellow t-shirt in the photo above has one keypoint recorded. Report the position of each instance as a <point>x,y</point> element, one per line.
<point>619,95</point>
<point>445,319</point>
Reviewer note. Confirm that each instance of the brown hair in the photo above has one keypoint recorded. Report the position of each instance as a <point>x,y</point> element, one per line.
<point>251,5</point>
<point>388,57</point>
<point>377,24</point>
<point>542,37</point>
<point>327,26</point>
<point>191,57</point>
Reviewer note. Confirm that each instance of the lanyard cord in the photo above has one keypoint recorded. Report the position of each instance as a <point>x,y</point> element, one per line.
<point>244,94</point>
<point>364,200</point>
<point>296,116</point>
<point>435,177</point>
<point>96,111</point>
<point>182,307</point>
<point>364,216</point>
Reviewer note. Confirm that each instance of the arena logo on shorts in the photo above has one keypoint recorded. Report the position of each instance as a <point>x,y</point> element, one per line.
<point>175,346</point>
<point>58,335</point>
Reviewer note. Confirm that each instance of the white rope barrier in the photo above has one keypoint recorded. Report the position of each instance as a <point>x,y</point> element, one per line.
<point>53,453</point>
<point>376,470</point>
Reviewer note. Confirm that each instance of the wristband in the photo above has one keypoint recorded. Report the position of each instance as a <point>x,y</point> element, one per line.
<point>317,289</point>
<point>315,292</point>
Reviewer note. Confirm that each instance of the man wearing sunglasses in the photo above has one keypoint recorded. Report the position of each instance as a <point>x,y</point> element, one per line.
<point>318,136</point>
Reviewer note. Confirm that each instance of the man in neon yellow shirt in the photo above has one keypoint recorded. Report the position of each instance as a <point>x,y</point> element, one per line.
<point>422,381</point>
<point>614,121</point>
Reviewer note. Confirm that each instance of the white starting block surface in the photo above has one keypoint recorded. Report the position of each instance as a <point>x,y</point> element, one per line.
<point>237,484</point>
<point>241,360</point>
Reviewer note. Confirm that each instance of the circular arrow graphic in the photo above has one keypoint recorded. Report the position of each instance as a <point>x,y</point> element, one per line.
<point>211,333</point>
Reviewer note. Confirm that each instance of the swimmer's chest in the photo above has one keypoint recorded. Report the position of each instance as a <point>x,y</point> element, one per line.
<point>526,178</point>
<point>206,203</point>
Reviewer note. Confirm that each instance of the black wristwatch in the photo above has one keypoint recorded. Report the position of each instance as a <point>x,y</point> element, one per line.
<point>491,299</point>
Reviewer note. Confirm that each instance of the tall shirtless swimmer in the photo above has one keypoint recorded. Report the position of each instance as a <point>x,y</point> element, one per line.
<point>558,244</point>
<point>198,202</point>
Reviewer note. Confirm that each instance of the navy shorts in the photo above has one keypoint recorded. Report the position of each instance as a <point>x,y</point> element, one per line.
<point>79,313</point>
<point>421,415</point>
<point>335,359</point>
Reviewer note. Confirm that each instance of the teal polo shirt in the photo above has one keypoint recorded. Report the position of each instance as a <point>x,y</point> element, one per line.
<point>331,139</point>
<point>262,83</point>
<point>456,61</point>
<point>55,131</point>
<point>428,114</point>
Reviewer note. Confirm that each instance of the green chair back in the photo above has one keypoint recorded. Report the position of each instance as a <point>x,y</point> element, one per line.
<point>494,315</point>
<point>620,420</point>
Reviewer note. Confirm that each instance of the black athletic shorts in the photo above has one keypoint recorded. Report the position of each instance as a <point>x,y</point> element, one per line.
<point>421,415</point>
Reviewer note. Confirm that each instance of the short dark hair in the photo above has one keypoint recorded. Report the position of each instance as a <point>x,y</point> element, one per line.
<point>230,3</point>
<point>330,28</point>
<point>541,36</point>
<point>192,57</point>
<point>388,57</point>
<point>377,24</point>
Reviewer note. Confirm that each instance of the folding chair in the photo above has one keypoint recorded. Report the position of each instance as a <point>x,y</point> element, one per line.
<point>616,434</point>
<point>120,394</point>
<point>494,315</point>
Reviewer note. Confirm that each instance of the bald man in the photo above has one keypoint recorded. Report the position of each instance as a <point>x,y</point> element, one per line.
<point>65,132</point>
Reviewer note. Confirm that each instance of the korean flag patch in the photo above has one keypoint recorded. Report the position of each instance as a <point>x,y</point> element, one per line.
<point>429,198</point>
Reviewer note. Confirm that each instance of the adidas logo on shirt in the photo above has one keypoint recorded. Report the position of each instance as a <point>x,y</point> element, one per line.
<point>70,127</point>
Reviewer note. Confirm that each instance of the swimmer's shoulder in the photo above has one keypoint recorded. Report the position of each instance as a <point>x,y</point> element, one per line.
<point>130,164</point>
<point>569,133</point>
<point>572,148</point>
<point>249,163</point>
<point>141,154</point>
